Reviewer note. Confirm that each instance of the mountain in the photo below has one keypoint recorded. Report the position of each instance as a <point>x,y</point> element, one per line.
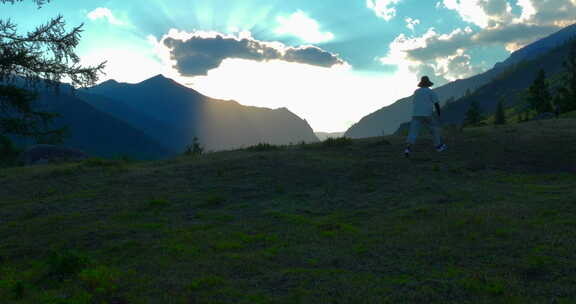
<point>389,118</point>
<point>174,114</point>
<point>94,131</point>
<point>90,129</point>
<point>541,46</point>
<point>509,84</point>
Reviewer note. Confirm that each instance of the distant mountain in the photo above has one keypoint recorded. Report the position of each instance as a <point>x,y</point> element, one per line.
<point>540,47</point>
<point>326,135</point>
<point>174,114</point>
<point>94,131</point>
<point>389,118</point>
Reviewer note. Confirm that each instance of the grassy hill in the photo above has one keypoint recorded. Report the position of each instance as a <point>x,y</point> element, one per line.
<point>491,220</point>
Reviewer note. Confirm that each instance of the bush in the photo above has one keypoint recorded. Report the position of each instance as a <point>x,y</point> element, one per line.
<point>64,264</point>
<point>263,147</point>
<point>195,148</point>
<point>337,142</point>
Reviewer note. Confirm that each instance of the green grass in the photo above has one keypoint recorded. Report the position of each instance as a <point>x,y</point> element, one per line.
<point>491,220</point>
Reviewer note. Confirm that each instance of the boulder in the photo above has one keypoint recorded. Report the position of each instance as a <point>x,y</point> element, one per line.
<point>42,154</point>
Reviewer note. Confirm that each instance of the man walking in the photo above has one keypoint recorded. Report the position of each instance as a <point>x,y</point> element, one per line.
<point>425,100</point>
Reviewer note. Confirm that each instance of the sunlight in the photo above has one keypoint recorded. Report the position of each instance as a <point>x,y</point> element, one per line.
<point>322,96</point>
<point>127,65</point>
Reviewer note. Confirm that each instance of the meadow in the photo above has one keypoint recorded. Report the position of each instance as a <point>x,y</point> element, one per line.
<point>490,220</point>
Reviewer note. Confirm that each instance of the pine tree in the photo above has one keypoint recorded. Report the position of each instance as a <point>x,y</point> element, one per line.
<point>539,97</point>
<point>473,115</point>
<point>500,116</point>
<point>45,55</point>
<point>567,94</point>
<point>195,148</point>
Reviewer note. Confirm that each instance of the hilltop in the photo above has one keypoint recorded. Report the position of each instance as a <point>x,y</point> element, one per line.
<point>492,220</point>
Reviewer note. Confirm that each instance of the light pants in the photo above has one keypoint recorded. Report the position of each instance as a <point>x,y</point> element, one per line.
<point>431,123</point>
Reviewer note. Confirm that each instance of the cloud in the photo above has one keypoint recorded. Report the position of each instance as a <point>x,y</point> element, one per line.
<point>435,45</point>
<point>439,55</point>
<point>549,12</point>
<point>498,13</point>
<point>194,54</point>
<point>410,23</point>
<point>513,36</point>
<point>104,13</point>
<point>483,13</point>
<point>383,8</point>
<point>496,24</point>
<point>300,25</point>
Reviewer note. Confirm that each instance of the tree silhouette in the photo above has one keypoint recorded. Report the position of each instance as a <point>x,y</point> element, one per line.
<point>45,55</point>
<point>567,94</point>
<point>500,116</point>
<point>473,115</point>
<point>539,97</point>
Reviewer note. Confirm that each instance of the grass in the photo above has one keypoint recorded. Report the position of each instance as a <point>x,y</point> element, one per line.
<point>491,220</point>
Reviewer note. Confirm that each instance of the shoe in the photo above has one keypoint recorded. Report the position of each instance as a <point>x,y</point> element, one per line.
<point>441,147</point>
<point>407,152</point>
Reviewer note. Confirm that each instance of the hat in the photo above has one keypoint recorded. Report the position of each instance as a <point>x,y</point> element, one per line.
<point>425,82</point>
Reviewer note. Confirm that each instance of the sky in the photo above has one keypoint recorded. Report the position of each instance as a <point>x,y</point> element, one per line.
<point>330,62</point>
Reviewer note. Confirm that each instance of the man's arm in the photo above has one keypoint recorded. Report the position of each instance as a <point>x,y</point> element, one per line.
<point>437,108</point>
<point>436,102</point>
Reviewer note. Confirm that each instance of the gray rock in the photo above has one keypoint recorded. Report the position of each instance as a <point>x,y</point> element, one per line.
<point>42,154</point>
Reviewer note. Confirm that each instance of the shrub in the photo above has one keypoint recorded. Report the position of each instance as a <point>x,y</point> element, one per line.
<point>263,147</point>
<point>64,264</point>
<point>195,148</point>
<point>337,142</point>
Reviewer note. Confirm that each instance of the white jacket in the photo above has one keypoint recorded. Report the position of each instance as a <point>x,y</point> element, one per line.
<point>424,100</point>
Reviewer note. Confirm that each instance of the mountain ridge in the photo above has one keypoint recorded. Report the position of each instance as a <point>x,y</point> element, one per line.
<point>186,113</point>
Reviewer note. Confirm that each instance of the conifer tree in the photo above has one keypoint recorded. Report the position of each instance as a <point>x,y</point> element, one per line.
<point>539,97</point>
<point>500,116</point>
<point>567,94</point>
<point>45,55</point>
<point>473,115</point>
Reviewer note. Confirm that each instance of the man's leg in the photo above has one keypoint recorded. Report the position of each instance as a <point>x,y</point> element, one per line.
<point>414,130</point>
<point>412,135</point>
<point>433,124</point>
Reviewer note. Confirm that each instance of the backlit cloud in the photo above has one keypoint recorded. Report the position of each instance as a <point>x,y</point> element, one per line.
<point>104,13</point>
<point>410,23</point>
<point>383,8</point>
<point>300,25</point>
<point>493,22</point>
<point>194,54</point>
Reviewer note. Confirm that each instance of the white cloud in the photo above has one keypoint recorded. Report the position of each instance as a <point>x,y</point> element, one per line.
<point>302,26</point>
<point>469,10</point>
<point>104,13</point>
<point>410,23</point>
<point>383,8</point>
<point>438,55</point>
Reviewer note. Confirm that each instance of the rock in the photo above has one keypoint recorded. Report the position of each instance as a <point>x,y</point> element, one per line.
<point>43,154</point>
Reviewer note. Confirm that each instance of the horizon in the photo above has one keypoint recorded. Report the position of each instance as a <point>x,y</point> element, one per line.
<point>327,69</point>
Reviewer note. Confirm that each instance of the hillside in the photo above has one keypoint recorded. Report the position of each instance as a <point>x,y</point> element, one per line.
<point>492,220</point>
<point>389,118</point>
<point>96,132</point>
<point>184,113</point>
<point>508,87</point>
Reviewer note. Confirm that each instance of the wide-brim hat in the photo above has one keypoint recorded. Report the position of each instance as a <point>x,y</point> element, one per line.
<point>425,82</point>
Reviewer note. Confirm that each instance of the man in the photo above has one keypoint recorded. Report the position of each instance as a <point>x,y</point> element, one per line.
<point>425,100</point>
